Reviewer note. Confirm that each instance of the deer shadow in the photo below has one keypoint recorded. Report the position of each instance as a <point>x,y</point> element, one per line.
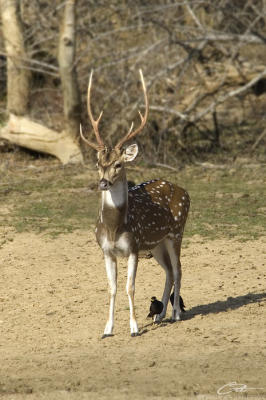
<point>231,303</point>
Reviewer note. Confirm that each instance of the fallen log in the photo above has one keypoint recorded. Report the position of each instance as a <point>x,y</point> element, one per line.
<point>26,133</point>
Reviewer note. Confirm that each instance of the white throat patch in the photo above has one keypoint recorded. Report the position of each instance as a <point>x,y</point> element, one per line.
<point>116,196</point>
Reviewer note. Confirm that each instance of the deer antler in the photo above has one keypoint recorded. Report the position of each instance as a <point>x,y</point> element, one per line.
<point>143,119</point>
<point>93,145</point>
<point>95,123</point>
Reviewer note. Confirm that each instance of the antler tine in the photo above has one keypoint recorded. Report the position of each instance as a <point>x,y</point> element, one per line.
<point>95,123</point>
<point>143,119</point>
<point>93,145</point>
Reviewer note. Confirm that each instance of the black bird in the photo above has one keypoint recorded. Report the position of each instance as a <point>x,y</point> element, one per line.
<point>155,308</point>
<point>181,302</point>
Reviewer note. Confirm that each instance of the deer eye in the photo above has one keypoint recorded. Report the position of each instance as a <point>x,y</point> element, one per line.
<point>118,166</point>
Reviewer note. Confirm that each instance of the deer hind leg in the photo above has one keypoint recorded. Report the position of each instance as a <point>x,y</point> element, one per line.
<point>173,248</point>
<point>131,276</point>
<point>160,253</point>
<point>111,270</point>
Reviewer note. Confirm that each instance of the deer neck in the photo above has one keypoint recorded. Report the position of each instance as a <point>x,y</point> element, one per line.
<point>114,204</point>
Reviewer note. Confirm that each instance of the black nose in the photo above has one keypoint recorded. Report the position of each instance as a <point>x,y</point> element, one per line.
<point>104,184</point>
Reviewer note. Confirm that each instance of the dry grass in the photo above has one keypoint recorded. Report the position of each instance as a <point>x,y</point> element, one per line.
<point>41,195</point>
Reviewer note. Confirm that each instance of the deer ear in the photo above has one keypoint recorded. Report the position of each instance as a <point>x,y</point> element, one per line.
<point>130,153</point>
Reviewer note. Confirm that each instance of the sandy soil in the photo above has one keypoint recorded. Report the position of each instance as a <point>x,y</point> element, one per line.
<point>54,304</point>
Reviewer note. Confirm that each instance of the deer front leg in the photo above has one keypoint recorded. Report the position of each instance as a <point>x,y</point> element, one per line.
<point>131,276</point>
<point>111,270</point>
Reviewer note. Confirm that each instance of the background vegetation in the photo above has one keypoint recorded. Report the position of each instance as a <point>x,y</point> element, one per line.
<point>203,61</point>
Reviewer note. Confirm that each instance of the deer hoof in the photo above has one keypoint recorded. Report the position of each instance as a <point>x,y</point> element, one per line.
<point>105,335</point>
<point>134,334</point>
<point>176,319</point>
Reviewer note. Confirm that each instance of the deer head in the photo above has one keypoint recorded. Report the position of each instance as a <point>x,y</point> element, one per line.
<point>111,161</point>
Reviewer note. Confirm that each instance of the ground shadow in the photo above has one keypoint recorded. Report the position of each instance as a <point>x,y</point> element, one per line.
<point>231,303</point>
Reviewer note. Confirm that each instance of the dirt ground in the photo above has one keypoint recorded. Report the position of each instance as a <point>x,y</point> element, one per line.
<point>54,304</point>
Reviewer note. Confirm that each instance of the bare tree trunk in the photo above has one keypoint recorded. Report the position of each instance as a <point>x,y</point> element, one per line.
<point>66,59</point>
<point>18,77</point>
<point>20,129</point>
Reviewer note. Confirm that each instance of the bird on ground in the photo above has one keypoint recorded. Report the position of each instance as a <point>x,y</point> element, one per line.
<point>181,302</point>
<point>156,307</point>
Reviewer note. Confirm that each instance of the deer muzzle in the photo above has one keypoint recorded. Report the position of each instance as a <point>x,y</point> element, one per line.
<point>104,184</point>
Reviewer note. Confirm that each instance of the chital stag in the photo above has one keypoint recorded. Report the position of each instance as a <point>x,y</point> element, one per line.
<point>150,216</point>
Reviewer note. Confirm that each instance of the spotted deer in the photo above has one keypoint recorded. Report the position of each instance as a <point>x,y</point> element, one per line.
<point>148,217</point>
